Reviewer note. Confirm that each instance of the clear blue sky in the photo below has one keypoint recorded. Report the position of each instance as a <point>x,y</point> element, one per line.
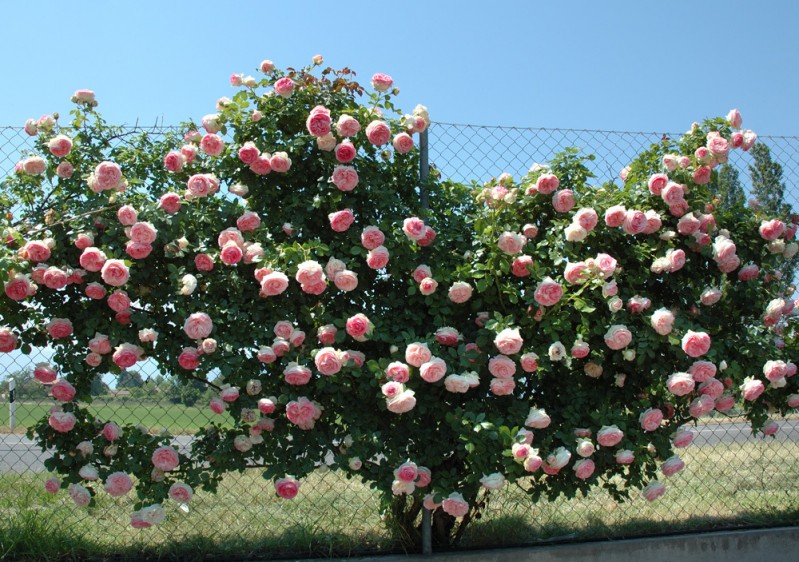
<point>633,65</point>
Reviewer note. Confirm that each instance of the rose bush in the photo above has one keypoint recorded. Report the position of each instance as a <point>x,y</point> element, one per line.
<point>564,336</point>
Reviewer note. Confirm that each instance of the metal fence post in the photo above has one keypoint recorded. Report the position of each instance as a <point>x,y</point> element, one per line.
<point>12,404</point>
<point>424,171</point>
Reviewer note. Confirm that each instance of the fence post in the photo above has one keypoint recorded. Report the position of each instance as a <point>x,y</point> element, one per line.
<point>424,171</point>
<point>12,404</point>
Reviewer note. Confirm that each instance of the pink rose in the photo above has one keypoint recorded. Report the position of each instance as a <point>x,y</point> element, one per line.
<point>34,165</point>
<point>52,485</point>
<point>618,337</point>
<point>111,432</point>
<point>165,458</point>
<point>702,371</point>
<point>584,469</point>
<point>118,484</point>
<point>115,272</point>
<point>676,259</point>
<point>249,153</point>
<point>580,349</point>
<point>345,152</point>
<point>378,133</point>
<point>508,341</point>
<point>455,505</point>
<point>198,326</point>
<point>695,344</point>
<point>372,237</point>
<point>93,359</point>
<point>377,258</point>
<point>382,82</point>
<point>502,367</point>
<point>62,422</point>
<point>653,222</point>
<point>19,287</point>
<point>296,375</point>
<point>126,355</point>
<point>398,372</point>
<point>701,406</point>
<point>609,436</point>
<point>284,87</point>
<point>80,495</point>
<point>44,373</point>
<point>287,488</point>
<point>428,286</point>
<point>713,388</point>
<point>59,328</point>
<point>650,419</point>
<point>189,358</point>
<point>347,126</point>
<point>359,327</point>
<point>701,175</point>
<point>413,228</point>
<point>417,353</point>
<point>771,230</point>
<point>231,253</point>
<point>587,218</point>
<point>433,370</point>
<point>682,438</point>
<point>752,388</point>
<point>448,336</point>
<point>180,492</point>
<point>662,321</point>
<point>521,266</point>
<point>280,162</point>
<point>340,221</point>
<point>318,122</point>
<point>548,292</point>
<point>680,384</point>
<point>402,403</point>
<point>62,391</point>
<point>748,272</point>
<point>143,233</point>
<point>346,280</point>
<point>107,175</point>
<point>327,361</point>
<point>403,143</point>
<point>174,161</point>
<point>118,301</point>
<point>653,491</point>
<point>734,119</point>
<point>92,259</point>
<point>345,178</point>
<point>511,243</point>
<point>273,284</point>
<point>563,200</point>
<point>635,222</point>
<point>55,278</point>
<point>657,182</point>
<point>529,362</point>
<point>624,457</point>
<point>547,183</point>
<point>170,203</point>
<point>615,216</point>
<point>460,292</point>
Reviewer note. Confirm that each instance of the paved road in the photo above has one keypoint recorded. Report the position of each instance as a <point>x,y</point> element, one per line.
<point>18,454</point>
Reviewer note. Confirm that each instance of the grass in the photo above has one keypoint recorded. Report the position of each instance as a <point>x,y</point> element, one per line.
<point>747,485</point>
<point>155,415</point>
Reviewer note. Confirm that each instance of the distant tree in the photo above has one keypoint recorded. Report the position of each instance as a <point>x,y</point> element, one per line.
<point>189,394</point>
<point>99,388</point>
<point>729,190</point>
<point>28,388</point>
<point>768,187</point>
<point>130,379</point>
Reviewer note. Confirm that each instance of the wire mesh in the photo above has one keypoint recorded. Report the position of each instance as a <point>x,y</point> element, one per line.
<point>732,477</point>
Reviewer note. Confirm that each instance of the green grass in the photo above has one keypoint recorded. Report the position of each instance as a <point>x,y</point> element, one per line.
<point>155,415</point>
<point>727,486</point>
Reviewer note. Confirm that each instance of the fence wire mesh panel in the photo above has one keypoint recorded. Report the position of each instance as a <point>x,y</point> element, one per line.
<point>732,478</point>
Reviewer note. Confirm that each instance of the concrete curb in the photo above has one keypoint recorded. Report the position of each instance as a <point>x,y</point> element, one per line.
<point>756,545</point>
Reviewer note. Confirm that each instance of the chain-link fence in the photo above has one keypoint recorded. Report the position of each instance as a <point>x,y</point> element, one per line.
<point>732,478</point>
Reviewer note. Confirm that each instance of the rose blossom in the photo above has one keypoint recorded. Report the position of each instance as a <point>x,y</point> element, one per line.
<point>402,403</point>
<point>378,133</point>
<point>680,384</point>
<point>748,272</point>
<point>44,373</point>
<point>417,353</point>
<point>624,456</point>
<point>59,328</point>
<point>609,436</point>
<point>751,389</point>
<point>80,495</point>
<point>653,490</point>
<point>180,492</point>
<point>460,292</point>
<point>62,422</point>
<point>650,419</point>
<point>165,458</point>
<point>340,221</point>
<point>548,292</point>
<point>508,341</point>
<point>511,243</point>
<point>433,370</point>
<point>327,361</point>
<point>448,336</point>
<point>345,152</point>
<point>618,337</point>
<point>118,484</point>
<point>189,358</point>
<point>662,321</point>
<point>563,200</point>
<point>455,505</point>
<point>63,391</point>
<point>615,215</point>
<point>635,222</point>
<point>702,371</point>
<point>695,344</point>
<point>359,327</point>
<point>372,237</point>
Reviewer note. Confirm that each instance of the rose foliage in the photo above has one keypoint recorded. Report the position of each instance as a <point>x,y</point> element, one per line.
<point>541,330</point>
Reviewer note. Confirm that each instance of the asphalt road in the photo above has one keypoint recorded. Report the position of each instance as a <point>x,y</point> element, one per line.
<point>19,454</point>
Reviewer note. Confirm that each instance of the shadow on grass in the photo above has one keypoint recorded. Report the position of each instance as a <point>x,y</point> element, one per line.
<point>34,535</point>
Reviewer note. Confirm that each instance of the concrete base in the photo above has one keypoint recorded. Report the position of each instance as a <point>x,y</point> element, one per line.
<point>769,545</point>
